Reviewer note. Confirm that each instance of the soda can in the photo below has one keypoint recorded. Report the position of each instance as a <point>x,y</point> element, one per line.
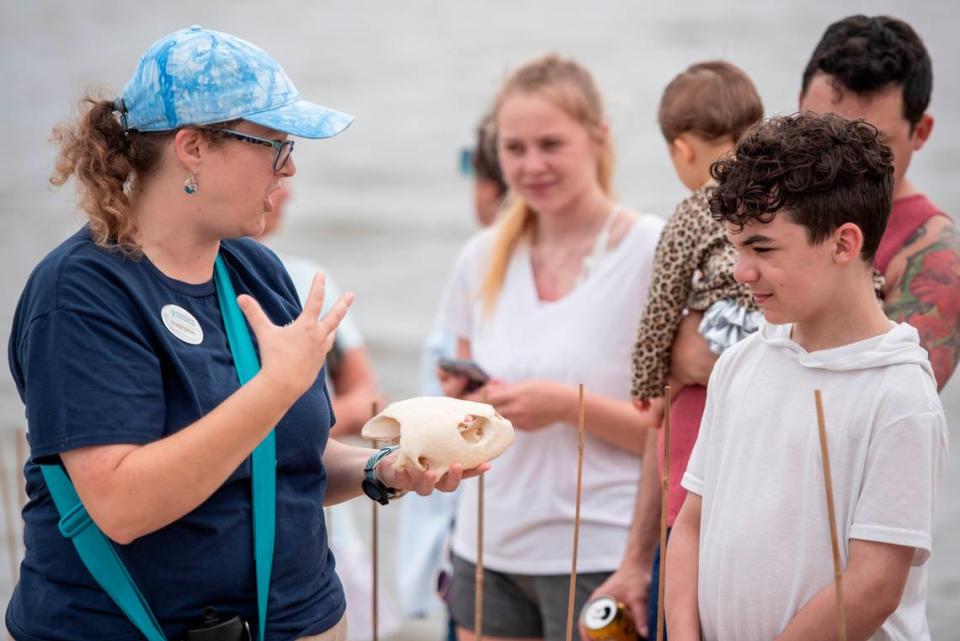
<point>606,619</point>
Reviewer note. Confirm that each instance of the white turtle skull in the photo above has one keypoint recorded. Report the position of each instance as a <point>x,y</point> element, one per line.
<point>434,432</point>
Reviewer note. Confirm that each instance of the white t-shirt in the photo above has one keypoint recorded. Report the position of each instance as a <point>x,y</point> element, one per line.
<point>764,531</point>
<point>586,337</point>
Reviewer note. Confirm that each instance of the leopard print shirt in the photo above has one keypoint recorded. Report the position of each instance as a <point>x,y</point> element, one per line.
<point>693,269</point>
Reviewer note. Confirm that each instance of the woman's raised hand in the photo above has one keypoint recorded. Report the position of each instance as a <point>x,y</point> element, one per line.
<point>293,354</point>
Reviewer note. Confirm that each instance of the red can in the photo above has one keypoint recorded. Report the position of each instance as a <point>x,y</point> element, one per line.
<point>606,619</point>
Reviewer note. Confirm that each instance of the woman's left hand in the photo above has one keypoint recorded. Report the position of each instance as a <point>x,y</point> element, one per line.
<point>424,483</point>
<point>533,404</point>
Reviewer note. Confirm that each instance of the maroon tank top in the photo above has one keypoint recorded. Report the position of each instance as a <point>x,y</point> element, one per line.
<point>906,217</point>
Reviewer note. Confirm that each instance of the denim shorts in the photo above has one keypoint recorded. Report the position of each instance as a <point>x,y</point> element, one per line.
<point>519,605</point>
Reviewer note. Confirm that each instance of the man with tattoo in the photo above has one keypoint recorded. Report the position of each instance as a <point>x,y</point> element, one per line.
<point>878,69</point>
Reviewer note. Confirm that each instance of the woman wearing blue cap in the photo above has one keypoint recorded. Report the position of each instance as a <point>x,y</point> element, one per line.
<point>179,462</point>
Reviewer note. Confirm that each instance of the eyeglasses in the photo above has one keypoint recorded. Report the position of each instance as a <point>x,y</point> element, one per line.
<point>281,148</point>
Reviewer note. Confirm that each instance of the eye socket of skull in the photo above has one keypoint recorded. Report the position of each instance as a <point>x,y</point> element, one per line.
<point>471,428</point>
<point>383,428</point>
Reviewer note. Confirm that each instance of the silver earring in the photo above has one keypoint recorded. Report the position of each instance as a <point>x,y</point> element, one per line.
<point>190,184</point>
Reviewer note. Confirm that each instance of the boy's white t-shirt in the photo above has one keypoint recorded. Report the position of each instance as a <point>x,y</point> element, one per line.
<point>586,337</point>
<point>764,532</point>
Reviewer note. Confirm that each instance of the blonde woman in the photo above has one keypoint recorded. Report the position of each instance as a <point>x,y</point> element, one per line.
<point>549,298</point>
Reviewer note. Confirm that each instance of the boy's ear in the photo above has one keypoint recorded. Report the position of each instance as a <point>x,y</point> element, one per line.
<point>188,146</point>
<point>848,243</point>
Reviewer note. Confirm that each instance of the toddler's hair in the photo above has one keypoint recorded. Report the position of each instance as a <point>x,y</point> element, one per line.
<point>712,99</point>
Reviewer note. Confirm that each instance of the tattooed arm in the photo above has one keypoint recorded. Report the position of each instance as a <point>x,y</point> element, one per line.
<point>923,289</point>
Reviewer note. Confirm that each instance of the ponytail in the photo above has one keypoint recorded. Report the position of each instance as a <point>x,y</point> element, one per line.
<point>106,161</point>
<point>516,224</point>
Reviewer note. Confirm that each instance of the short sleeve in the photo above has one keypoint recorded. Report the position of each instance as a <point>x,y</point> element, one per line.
<point>693,477</point>
<point>89,380</point>
<point>904,467</point>
<point>461,293</point>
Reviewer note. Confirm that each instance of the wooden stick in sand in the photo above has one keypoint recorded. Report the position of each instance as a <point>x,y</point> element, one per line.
<point>664,506</point>
<point>834,541</point>
<point>576,520</point>
<point>375,529</point>
<point>478,587</point>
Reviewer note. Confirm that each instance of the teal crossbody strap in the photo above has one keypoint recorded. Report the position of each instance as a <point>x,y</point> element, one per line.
<point>265,455</point>
<point>99,555</point>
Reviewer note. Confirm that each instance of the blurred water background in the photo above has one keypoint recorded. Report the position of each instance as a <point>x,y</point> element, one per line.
<point>383,206</point>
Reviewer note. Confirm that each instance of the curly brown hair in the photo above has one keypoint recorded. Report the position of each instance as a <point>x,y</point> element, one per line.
<point>108,163</point>
<point>821,170</point>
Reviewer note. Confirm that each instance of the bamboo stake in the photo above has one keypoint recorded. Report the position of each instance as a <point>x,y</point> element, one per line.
<point>664,506</point>
<point>374,525</point>
<point>831,512</point>
<point>478,587</point>
<point>576,520</point>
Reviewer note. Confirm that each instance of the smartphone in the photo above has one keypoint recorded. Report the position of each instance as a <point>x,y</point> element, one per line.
<point>474,374</point>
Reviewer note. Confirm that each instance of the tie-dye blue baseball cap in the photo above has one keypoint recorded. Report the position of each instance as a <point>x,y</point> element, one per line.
<point>197,76</point>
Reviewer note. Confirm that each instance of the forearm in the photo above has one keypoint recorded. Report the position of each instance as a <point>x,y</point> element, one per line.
<point>682,610</point>
<point>817,620</point>
<point>873,583</point>
<point>645,526</point>
<point>630,583</point>
<point>344,465</point>
<point>609,419</point>
<point>131,491</point>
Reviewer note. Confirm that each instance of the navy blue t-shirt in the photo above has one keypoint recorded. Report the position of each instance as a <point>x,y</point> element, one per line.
<point>96,364</point>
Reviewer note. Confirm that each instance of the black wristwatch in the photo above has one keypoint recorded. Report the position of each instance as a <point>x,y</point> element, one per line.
<point>374,487</point>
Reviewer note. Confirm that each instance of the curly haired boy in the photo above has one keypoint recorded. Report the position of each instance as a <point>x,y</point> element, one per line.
<point>805,200</point>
